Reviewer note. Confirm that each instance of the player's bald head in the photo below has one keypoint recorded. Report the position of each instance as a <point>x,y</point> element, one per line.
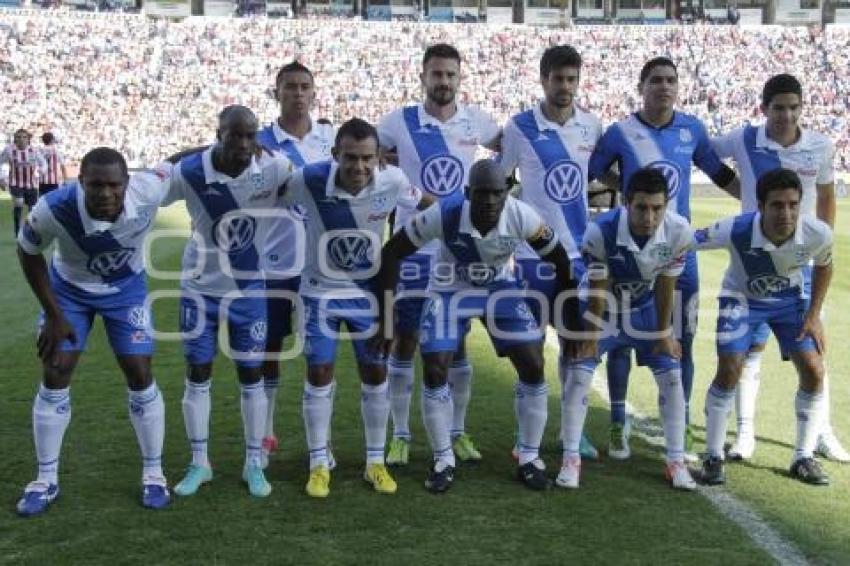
<point>236,114</point>
<point>487,173</point>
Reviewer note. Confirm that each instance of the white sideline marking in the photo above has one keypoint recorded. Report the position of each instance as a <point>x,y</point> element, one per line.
<point>779,548</point>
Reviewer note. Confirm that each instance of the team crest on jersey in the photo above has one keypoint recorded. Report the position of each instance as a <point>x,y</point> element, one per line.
<point>564,181</point>
<point>257,181</point>
<point>234,233</point>
<point>671,172</point>
<point>379,203</point>
<point>351,252</point>
<point>802,256</point>
<point>442,175</point>
<point>766,285</point>
<point>138,317</point>
<point>685,136</point>
<point>109,263</point>
<point>506,244</point>
<point>662,253</point>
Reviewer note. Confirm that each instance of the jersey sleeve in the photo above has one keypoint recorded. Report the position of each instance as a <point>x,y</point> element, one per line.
<point>826,172</point>
<point>38,230</point>
<point>509,156</point>
<point>714,237</point>
<point>153,185</point>
<point>387,135</point>
<point>408,194</point>
<point>604,154</point>
<point>708,161</point>
<point>724,146</point>
<point>594,254</point>
<point>283,169</point>
<point>822,254</point>
<point>425,226</point>
<point>487,127</point>
<point>177,186</point>
<point>682,243</point>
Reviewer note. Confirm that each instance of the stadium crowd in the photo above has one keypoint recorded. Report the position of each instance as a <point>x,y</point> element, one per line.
<point>151,87</point>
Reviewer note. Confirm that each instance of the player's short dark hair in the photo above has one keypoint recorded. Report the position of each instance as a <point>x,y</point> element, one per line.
<point>103,156</point>
<point>47,138</point>
<point>440,51</point>
<point>23,131</point>
<point>656,62</point>
<point>558,57</point>
<point>780,84</point>
<point>357,130</point>
<point>647,180</point>
<point>777,179</point>
<point>324,121</point>
<point>293,67</point>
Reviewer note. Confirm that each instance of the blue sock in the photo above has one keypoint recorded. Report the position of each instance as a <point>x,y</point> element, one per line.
<point>618,367</point>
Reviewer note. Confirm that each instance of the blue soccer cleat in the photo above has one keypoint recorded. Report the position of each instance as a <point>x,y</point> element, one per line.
<point>155,493</point>
<point>38,496</point>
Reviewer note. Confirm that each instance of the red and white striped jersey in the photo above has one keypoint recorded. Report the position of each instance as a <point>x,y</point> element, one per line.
<point>25,166</point>
<point>54,160</point>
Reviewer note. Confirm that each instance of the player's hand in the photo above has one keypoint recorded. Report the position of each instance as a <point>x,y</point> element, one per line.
<point>668,346</point>
<point>56,329</point>
<point>812,326</point>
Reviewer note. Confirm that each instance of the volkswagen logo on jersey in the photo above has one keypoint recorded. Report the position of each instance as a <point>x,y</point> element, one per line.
<point>766,285</point>
<point>563,181</point>
<point>633,289</point>
<point>351,252</point>
<point>233,233</point>
<point>671,172</point>
<point>109,263</point>
<point>442,175</point>
<point>138,317</point>
<point>258,331</point>
<point>477,274</point>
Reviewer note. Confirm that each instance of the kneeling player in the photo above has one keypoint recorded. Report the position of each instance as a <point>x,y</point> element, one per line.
<point>98,224</point>
<point>637,252</point>
<point>478,236</point>
<point>765,283</point>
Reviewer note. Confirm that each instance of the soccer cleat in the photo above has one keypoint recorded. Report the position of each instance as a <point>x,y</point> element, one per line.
<point>440,481</point>
<point>38,496</point>
<point>830,448</point>
<point>380,478</point>
<point>743,448</point>
<point>195,477</point>
<point>269,446</point>
<point>587,450</point>
<point>464,449</point>
<point>807,470</point>
<point>533,475</point>
<point>713,471</point>
<point>690,454</point>
<point>618,442</point>
<point>679,476</point>
<point>331,459</point>
<point>570,471</point>
<point>258,486</point>
<point>398,453</point>
<point>318,485</point>
<point>155,493</point>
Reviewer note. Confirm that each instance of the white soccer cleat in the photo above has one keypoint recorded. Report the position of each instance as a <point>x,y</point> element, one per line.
<point>570,471</point>
<point>830,448</point>
<point>679,477</point>
<point>743,447</point>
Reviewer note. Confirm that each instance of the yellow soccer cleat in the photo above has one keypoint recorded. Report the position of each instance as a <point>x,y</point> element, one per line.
<point>380,478</point>
<point>319,483</point>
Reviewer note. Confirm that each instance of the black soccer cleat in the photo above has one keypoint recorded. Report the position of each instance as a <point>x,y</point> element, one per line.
<point>713,472</point>
<point>807,470</point>
<point>440,482</point>
<point>533,477</point>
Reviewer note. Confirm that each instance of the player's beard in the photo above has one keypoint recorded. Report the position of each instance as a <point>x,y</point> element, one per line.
<point>441,96</point>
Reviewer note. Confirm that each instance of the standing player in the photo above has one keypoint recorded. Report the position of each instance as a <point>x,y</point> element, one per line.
<point>658,136</point>
<point>55,170</point>
<point>765,284</point>
<point>436,142</point>
<point>780,142</point>
<point>550,145</point>
<point>636,253</point>
<point>303,140</point>
<point>478,236</point>
<point>25,167</point>
<point>99,225</point>
<point>226,189</point>
<point>347,202</point>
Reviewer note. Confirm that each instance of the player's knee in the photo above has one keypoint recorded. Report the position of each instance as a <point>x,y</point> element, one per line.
<point>435,373</point>
<point>199,373</point>
<point>271,368</point>
<point>811,371</point>
<point>373,374</point>
<point>320,375</point>
<point>404,346</point>
<point>729,371</point>
<point>58,376</point>
<point>249,375</point>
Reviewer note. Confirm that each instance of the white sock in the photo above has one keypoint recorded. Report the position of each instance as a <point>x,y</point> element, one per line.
<point>437,413</point>
<point>254,406</point>
<point>400,379</point>
<point>575,387</point>
<point>747,393</point>
<point>826,408</point>
<point>317,406</point>
<point>147,415</point>
<point>809,410</point>
<point>270,385</point>
<point>460,383</point>
<point>671,407</point>
<point>51,413</point>
<point>530,404</point>
<point>375,410</point>
<point>196,416</point>
<point>718,404</point>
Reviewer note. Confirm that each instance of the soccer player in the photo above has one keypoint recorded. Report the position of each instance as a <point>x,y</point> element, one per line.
<point>765,283</point>
<point>780,142</point>
<point>303,140</point>
<point>550,144</point>
<point>55,171</point>
<point>98,224</point>
<point>436,142</point>
<point>346,202</point>
<point>26,165</point>
<point>671,141</point>
<point>226,189</point>
<point>472,278</point>
<point>633,255</point>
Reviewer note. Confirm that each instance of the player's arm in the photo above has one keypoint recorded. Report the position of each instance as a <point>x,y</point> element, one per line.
<point>821,278</point>
<point>713,237</point>
<point>604,155</point>
<point>665,289</point>
<point>596,259</point>
<point>33,239</point>
<point>550,250</point>
<point>826,203</point>
<point>388,145</point>
<point>709,162</point>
